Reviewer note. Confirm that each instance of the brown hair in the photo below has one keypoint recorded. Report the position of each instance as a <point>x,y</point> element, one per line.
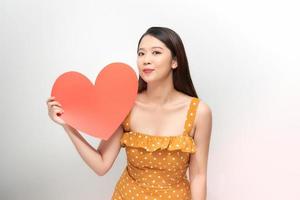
<point>181,75</point>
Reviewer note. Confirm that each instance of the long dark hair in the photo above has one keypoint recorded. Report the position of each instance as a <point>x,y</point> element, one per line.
<point>181,75</point>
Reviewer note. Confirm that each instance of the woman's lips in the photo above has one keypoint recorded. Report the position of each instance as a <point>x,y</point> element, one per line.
<point>148,71</point>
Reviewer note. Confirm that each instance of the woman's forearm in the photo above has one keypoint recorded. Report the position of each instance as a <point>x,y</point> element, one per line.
<point>198,188</point>
<point>91,156</point>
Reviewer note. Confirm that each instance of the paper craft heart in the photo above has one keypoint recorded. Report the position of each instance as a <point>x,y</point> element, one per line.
<point>97,110</point>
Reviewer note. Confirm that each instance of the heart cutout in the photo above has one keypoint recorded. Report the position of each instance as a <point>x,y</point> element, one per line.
<point>97,110</point>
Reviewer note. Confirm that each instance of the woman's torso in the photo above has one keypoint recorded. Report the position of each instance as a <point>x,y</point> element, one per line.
<point>157,155</point>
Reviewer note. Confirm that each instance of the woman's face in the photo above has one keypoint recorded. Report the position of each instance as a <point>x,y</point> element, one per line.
<point>154,54</point>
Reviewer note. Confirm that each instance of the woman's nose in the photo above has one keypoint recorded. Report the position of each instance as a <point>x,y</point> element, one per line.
<point>146,63</point>
<point>147,59</point>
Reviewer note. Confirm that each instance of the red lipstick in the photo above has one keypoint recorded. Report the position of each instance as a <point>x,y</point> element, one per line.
<point>148,70</point>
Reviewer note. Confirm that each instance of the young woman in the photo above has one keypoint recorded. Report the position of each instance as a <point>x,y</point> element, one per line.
<point>166,132</point>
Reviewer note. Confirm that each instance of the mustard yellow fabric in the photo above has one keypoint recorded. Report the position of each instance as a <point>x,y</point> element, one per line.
<point>156,165</point>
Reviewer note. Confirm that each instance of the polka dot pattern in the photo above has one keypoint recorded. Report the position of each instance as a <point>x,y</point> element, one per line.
<point>156,165</point>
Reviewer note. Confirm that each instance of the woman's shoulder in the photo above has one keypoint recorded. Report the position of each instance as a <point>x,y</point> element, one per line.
<point>203,111</point>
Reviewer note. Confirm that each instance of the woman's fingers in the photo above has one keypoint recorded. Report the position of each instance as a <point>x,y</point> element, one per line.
<point>55,114</point>
<point>53,103</point>
<point>59,120</point>
<point>56,103</point>
<point>50,99</point>
<point>57,109</point>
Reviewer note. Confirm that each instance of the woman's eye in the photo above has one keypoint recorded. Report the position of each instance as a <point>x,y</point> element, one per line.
<point>154,52</point>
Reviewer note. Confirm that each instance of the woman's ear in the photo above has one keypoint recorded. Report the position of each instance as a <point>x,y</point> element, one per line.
<point>174,63</point>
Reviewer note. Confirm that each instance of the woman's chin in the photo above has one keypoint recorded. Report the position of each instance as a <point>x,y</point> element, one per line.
<point>148,79</point>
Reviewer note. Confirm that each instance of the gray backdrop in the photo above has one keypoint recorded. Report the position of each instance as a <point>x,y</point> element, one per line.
<point>243,58</point>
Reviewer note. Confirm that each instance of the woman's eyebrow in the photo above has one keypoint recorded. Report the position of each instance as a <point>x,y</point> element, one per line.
<point>151,48</point>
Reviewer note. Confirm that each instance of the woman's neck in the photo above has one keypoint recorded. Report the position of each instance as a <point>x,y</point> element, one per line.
<point>160,93</point>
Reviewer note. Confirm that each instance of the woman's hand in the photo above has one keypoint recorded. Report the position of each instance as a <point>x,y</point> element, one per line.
<point>55,110</point>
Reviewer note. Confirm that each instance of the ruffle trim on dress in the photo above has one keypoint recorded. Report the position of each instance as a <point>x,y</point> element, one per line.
<point>152,143</point>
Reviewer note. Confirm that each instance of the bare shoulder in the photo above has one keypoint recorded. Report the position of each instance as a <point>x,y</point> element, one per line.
<point>203,109</point>
<point>203,118</point>
<point>203,115</point>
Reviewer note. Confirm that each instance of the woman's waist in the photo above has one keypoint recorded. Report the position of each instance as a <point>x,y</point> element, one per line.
<point>156,178</point>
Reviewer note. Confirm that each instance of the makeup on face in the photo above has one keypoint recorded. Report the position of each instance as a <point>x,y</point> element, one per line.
<point>147,70</point>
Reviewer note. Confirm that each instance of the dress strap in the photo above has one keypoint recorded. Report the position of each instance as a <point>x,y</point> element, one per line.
<point>190,117</point>
<point>126,124</point>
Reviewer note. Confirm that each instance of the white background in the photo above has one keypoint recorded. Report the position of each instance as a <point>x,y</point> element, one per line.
<point>244,61</point>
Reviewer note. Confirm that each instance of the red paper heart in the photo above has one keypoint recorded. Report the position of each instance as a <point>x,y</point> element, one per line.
<point>97,110</point>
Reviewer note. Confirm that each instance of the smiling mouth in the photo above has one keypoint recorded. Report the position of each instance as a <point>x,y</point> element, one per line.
<point>148,71</point>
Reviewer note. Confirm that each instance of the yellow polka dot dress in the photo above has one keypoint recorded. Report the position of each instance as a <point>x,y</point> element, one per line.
<point>156,165</point>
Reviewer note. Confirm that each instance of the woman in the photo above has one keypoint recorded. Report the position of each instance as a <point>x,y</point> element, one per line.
<point>166,132</point>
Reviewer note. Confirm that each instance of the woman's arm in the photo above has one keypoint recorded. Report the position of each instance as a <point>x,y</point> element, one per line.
<point>100,160</point>
<point>198,160</point>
